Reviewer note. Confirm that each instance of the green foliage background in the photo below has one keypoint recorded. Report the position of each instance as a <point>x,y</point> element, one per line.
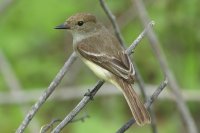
<point>36,52</point>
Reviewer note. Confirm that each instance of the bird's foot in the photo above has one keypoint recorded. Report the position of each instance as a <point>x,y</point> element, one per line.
<point>89,94</point>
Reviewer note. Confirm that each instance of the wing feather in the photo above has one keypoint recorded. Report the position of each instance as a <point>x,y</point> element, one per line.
<point>119,64</point>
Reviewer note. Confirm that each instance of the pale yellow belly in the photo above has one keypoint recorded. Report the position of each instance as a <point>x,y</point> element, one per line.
<point>99,71</point>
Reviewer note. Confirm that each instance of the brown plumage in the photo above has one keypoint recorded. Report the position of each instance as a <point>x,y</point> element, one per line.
<point>101,51</point>
<point>114,59</point>
<point>137,108</point>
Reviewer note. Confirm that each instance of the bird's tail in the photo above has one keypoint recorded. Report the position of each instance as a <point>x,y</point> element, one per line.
<point>138,110</point>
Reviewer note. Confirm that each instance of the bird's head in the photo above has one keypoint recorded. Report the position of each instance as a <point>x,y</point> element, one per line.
<point>80,23</point>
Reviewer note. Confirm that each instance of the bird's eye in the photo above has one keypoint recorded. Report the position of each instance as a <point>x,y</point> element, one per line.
<point>80,23</point>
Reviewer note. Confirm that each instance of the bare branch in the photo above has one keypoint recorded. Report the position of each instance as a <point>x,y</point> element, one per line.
<point>147,105</point>
<point>139,38</point>
<point>182,107</point>
<point>46,93</point>
<point>49,126</point>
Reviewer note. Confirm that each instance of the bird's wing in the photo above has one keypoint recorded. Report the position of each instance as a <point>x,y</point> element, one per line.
<point>117,63</point>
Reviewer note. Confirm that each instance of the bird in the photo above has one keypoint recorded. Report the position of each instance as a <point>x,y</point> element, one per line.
<point>101,51</point>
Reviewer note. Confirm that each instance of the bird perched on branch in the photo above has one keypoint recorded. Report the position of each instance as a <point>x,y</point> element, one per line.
<point>103,54</point>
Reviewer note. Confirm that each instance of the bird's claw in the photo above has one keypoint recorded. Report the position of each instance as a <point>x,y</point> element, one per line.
<point>89,94</point>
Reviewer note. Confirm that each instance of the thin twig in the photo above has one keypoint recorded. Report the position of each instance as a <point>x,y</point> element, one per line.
<point>46,93</point>
<point>182,107</point>
<point>49,126</point>
<point>86,99</point>
<point>139,38</point>
<point>147,105</point>
<point>113,21</point>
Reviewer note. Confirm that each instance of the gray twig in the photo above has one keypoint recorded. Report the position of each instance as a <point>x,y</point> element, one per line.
<point>86,99</point>
<point>49,126</point>
<point>182,107</point>
<point>46,93</point>
<point>139,38</point>
<point>147,105</point>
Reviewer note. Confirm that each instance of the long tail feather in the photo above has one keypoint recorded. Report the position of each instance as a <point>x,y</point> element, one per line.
<point>138,110</point>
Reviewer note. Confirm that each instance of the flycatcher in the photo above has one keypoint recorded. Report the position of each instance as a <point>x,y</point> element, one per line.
<point>103,54</point>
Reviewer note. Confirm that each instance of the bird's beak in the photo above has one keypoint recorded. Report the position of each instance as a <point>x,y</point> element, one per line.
<point>62,26</point>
